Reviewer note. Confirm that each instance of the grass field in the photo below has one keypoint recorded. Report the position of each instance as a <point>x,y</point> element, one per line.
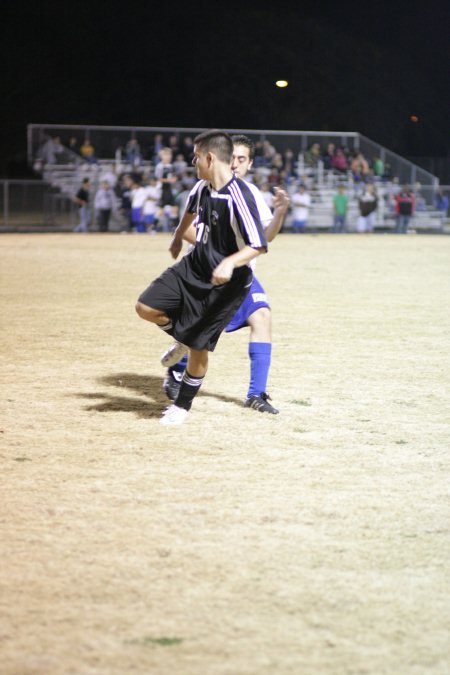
<point>315,542</point>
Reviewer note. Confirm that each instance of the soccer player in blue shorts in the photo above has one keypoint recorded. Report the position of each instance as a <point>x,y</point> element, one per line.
<point>254,311</point>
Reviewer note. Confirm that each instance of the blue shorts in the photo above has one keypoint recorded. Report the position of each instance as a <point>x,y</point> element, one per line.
<point>149,218</point>
<point>298,225</point>
<point>255,299</point>
<point>136,216</point>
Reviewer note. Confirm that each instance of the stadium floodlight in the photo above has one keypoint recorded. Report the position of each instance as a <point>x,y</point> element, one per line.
<point>281,83</point>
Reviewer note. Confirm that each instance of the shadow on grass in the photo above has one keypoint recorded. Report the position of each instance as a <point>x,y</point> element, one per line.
<point>149,388</point>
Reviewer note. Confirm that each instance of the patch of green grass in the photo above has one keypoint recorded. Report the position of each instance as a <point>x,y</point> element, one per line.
<point>299,430</point>
<point>147,641</point>
<point>22,459</point>
<point>401,442</point>
<point>301,401</point>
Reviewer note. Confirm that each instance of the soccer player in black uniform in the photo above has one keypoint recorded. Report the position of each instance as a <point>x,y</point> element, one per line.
<point>194,299</point>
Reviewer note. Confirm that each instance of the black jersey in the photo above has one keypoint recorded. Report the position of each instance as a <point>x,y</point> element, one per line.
<point>83,195</point>
<point>162,172</point>
<point>227,220</point>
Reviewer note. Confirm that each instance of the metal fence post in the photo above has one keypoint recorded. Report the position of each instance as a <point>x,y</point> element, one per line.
<point>6,202</point>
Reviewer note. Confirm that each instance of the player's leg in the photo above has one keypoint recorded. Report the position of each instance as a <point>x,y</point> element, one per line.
<point>191,382</point>
<point>173,354</point>
<point>260,353</point>
<point>153,315</point>
<point>160,301</point>
<point>173,377</point>
<point>255,313</point>
<point>175,359</point>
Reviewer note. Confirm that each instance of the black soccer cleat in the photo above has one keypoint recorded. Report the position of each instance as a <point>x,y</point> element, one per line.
<point>172,383</point>
<point>261,403</point>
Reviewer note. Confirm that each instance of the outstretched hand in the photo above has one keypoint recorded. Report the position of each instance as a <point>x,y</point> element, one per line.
<point>281,199</point>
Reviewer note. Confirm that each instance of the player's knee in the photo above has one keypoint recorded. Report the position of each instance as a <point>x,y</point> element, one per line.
<point>262,317</point>
<point>144,312</point>
<point>260,323</point>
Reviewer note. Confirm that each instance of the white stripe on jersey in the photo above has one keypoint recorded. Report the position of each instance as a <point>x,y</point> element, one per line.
<point>240,241</point>
<point>265,213</point>
<point>196,190</point>
<point>245,213</point>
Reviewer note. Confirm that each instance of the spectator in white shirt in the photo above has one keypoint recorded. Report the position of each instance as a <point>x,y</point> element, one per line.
<point>105,203</point>
<point>301,202</point>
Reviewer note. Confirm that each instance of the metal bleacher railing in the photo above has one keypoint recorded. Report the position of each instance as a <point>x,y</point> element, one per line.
<point>48,203</point>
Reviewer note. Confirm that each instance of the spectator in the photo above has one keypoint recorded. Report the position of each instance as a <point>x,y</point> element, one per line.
<point>392,190</point>
<point>87,151</point>
<point>73,145</point>
<point>126,185</point>
<point>156,148</point>
<point>360,168</point>
<point>174,144</point>
<point>164,172</point>
<point>328,156</point>
<point>340,206</point>
<point>387,172</point>
<point>289,163</point>
<point>259,160</point>
<point>51,150</point>
<point>138,197</point>
<point>339,161</point>
<point>301,202</point>
<point>269,152</point>
<point>404,209</point>
<point>187,149</point>
<point>180,165</point>
<point>267,195</point>
<point>105,203</point>
<point>441,203</point>
<point>133,153</point>
<point>420,202</point>
<point>150,205</point>
<point>368,203</point>
<point>109,176</point>
<point>82,200</point>
<point>378,166</point>
<point>313,155</point>
<point>118,158</point>
<point>182,197</point>
<point>277,162</point>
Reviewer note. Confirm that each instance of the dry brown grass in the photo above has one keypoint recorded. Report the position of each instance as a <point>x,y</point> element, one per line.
<point>316,542</point>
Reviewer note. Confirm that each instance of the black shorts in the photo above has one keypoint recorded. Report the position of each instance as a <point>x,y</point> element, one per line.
<point>198,309</point>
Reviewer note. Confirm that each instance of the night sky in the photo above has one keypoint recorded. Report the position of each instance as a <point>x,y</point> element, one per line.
<point>352,66</point>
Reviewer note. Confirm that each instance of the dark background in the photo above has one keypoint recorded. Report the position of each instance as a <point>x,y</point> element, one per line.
<point>352,66</point>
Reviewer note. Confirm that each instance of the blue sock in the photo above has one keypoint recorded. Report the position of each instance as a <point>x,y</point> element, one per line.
<point>260,354</point>
<point>180,367</point>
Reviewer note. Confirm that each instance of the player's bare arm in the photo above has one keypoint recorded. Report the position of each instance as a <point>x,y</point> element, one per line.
<point>176,243</point>
<point>281,205</point>
<point>224,269</point>
<point>189,235</point>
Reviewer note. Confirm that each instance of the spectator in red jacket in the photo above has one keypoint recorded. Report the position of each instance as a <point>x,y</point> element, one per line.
<point>339,161</point>
<point>404,209</point>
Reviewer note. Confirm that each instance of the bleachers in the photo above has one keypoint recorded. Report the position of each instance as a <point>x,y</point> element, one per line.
<point>322,185</point>
<point>67,178</point>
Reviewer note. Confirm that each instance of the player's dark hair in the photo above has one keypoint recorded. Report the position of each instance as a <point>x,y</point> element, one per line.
<point>216,141</point>
<point>241,139</point>
<point>86,180</point>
